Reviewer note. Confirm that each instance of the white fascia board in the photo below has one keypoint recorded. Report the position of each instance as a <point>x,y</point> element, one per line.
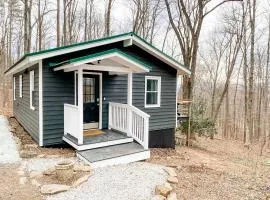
<point>36,58</point>
<point>114,56</point>
<point>160,56</point>
<point>130,62</point>
<point>77,48</point>
<point>100,68</point>
<point>21,66</point>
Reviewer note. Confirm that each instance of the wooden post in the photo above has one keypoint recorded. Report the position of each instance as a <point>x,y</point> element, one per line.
<point>80,105</point>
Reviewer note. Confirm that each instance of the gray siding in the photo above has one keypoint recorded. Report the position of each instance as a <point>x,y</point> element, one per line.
<point>27,117</point>
<point>58,88</point>
<point>163,117</point>
<point>114,90</point>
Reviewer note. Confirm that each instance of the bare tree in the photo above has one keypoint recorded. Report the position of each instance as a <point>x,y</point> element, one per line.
<point>187,27</point>
<point>109,5</point>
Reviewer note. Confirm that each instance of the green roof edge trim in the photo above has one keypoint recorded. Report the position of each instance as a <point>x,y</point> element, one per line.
<point>78,44</point>
<point>166,55</point>
<point>115,50</point>
<point>93,41</point>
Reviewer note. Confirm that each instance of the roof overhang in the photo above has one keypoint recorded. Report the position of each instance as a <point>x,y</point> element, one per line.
<point>127,39</point>
<point>110,60</point>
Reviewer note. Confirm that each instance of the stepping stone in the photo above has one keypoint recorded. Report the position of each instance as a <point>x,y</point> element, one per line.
<point>170,171</point>
<point>172,179</point>
<point>53,189</point>
<point>172,196</point>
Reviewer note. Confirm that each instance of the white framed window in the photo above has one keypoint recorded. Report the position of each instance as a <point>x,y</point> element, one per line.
<point>152,91</point>
<point>32,88</point>
<point>14,88</point>
<point>21,85</point>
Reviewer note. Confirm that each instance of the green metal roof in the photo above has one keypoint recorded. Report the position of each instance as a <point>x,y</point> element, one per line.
<point>95,55</point>
<point>94,41</point>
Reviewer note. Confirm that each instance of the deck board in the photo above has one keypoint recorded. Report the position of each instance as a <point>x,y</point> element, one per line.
<point>99,154</point>
<point>108,135</point>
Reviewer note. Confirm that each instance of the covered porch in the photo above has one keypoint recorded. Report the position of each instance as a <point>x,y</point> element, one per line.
<point>126,123</point>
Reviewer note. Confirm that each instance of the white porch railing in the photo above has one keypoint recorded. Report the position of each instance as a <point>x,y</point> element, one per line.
<point>71,121</point>
<point>131,120</point>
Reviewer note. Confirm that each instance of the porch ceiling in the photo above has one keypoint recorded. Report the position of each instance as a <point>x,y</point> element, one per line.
<point>112,60</point>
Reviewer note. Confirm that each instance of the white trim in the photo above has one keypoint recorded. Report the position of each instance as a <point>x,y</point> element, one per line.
<point>21,85</point>
<point>158,78</point>
<point>160,55</point>
<point>31,87</point>
<point>80,105</point>
<point>14,88</point>
<point>99,68</point>
<point>128,42</point>
<point>75,88</point>
<point>100,95</point>
<point>40,99</point>
<point>135,40</point>
<point>115,56</point>
<point>139,156</point>
<point>97,145</point>
<point>176,98</point>
<point>78,48</point>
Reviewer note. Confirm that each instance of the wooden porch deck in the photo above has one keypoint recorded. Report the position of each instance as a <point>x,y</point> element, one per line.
<point>108,138</point>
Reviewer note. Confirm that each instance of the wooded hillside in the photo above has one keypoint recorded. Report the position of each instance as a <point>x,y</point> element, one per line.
<point>230,64</point>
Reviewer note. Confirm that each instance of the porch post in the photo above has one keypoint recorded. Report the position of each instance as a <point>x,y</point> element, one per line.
<point>129,102</point>
<point>80,105</point>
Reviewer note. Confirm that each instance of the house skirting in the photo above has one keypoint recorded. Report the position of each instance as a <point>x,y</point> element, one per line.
<point>164,138</point>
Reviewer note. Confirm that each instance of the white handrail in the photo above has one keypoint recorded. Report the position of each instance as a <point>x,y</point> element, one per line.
<point>130,120</point>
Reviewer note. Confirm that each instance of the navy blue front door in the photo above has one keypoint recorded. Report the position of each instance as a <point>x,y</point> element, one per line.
<point>90,98</point>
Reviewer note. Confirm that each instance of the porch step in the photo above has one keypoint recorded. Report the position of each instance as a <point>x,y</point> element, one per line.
<point>113,155</point>
<point>108,138</point>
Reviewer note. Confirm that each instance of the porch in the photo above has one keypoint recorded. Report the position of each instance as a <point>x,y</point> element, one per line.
<point>127,127</point>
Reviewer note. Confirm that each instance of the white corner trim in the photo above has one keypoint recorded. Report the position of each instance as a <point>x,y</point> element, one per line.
<point>40,100</point>
<point>21,85</point>
<point>158,78</point>
<point>31,87</point>
<point>14,88</point>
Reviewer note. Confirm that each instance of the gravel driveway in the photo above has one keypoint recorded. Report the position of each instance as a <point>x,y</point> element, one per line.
<point>134,181</point>
<point>8,148</point>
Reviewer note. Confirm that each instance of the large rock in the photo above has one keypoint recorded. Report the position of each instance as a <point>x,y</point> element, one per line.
<point>53,189</point>
<point>158,197</point>
<point>81,180</point>
<point>163,190</point>
<point>170,171</point>
<point>172,196</point>
<point>82,168</point>
<point>28,154</point>
<point>172,179</point>
<point>49,171</point>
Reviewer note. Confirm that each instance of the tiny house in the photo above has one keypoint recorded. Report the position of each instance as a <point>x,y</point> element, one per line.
<point>111,98</point>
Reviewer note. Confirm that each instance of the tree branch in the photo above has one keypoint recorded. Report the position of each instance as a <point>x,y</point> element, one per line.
<point>218,5</point>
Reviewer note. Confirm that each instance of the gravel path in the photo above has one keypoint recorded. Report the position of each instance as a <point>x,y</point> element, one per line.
<point>135,181</point>
<point>8,148</point>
